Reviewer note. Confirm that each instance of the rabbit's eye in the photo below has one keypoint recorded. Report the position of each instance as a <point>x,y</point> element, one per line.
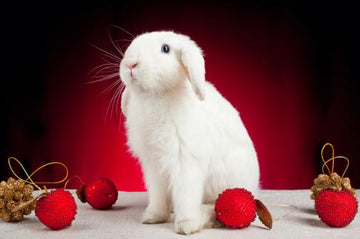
<point>165,48</point>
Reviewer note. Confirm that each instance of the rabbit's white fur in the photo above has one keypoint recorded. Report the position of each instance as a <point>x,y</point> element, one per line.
<point>191,147</point>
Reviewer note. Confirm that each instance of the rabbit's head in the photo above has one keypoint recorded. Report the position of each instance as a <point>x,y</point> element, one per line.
<point>158,62</point>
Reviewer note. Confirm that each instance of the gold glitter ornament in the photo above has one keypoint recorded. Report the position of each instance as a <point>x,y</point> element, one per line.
<point>331,180</point>
<point>14,193</point>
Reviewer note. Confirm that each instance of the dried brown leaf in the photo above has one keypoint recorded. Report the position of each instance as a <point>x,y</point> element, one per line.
<point>263,214</point>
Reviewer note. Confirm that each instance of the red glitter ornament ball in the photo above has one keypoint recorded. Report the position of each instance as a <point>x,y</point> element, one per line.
<point>101,193</point>
<point>336,208</point>
<point>235,208</point>
<point>57,209</point>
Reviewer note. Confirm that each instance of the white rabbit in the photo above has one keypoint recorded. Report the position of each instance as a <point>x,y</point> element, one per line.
<point>190,147</point>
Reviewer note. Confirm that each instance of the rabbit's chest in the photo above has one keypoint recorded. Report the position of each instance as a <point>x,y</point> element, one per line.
<point>152,128</point>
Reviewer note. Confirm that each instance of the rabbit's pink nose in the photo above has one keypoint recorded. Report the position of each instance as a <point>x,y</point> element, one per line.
<point>132,66</point>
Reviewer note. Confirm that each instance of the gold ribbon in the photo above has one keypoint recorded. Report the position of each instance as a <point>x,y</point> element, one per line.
<point>332,160</point>
<point>29,179</point>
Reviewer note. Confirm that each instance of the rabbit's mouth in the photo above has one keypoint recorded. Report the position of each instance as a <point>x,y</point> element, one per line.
<point>135,82</point>
<point>133,76</point>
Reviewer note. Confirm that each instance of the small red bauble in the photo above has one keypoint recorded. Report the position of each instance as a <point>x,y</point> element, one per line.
<point>336,208</point>
<point>235,208</point>
<point>57,209</point>
<point>101,193</point>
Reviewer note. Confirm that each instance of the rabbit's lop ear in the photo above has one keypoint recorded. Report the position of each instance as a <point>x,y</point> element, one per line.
<point>194,65</point>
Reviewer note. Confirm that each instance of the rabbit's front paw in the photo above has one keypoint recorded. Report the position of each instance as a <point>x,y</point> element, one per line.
<point>152,217</point>
<point>188,226</point>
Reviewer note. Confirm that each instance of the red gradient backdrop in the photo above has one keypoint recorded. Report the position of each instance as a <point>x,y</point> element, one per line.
<point>260,57</point>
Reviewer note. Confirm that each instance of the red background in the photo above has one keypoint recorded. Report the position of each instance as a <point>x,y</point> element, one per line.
<point>288,68</point>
